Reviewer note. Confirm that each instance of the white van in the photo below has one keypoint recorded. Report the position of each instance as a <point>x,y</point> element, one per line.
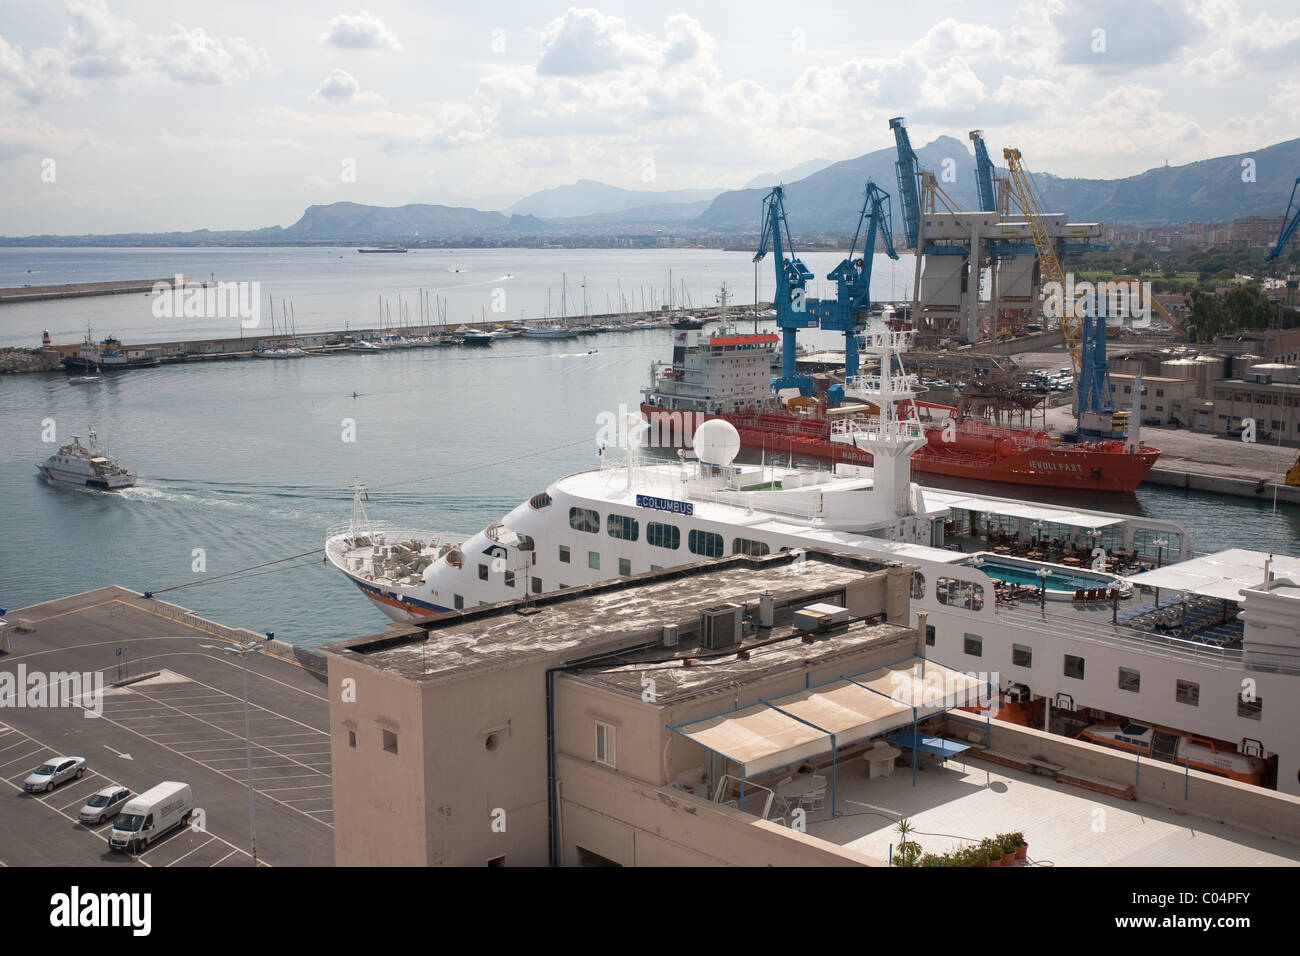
<point>150,815</point>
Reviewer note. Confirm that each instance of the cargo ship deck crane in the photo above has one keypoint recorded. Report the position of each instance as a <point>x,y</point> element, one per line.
<point>790,297</point>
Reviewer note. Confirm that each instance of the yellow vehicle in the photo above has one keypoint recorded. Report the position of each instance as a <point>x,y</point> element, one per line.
<point>1293,473</point>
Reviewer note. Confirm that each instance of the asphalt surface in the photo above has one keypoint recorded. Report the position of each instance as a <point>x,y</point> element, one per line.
<point>186,724</point>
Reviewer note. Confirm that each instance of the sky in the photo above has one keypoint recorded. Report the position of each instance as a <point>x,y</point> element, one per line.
<point>138,115</point>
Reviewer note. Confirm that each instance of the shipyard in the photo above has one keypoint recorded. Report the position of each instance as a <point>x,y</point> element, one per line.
<point>567,438</point>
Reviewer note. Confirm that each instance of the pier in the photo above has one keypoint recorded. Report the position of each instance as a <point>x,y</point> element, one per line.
<point>74,290</point>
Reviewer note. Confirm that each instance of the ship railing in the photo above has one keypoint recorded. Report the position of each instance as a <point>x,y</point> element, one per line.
<point>768,502</point>
<point>386,533</point>
<point>875,427</point>
<point>1115,635</point>
<point>874,383</point>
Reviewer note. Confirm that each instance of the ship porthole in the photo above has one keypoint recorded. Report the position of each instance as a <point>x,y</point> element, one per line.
<point>493,742</point>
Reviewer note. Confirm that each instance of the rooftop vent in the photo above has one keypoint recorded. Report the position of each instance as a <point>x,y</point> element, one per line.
<point>720,626</point>
<point>818,618</point>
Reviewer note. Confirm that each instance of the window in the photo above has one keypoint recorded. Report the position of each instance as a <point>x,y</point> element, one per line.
<point>459,602</point>
<point>1022,655</point>
<point>929,635</point>
<point>593,560</point>
<point>958,593</point>
<point>1188,692</point>
<point>510,579</point>
<point>974,645</point>
<point>624,567</point>
<point>482,572</point>
<point>1250,709</point>
<point>755,549</point>
<point>587,858</point>
<point>1160,393</point>
<point>1130,680</point>
<point>663,535</point>
<point>1074,666</point>
<point>390,742</point>
<point>605,743</point>
<point>564,554</point>
<point>584,519</point>
<point>623,527</point>
<point>705,543</point>
<point>918,585</point>
<point>537,585</point>
<point>352,739</point>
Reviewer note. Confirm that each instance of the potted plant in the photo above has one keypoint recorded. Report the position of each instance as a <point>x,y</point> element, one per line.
<point>1022,848</point>
<point>933,859</point>
<point>1009,843</point>
<point>909,851</point>
<point>991,850</point>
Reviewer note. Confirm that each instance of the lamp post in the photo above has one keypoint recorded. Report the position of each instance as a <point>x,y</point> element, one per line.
<point>1043,574</point>
<point>1039,527</point>
<point>1160,544</point>
<point>243,651</point>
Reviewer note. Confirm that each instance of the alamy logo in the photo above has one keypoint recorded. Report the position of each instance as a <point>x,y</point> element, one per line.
<point>38,689</point>
<point>218,300</point>
<point>73,909</point>
<point>1112,300</point>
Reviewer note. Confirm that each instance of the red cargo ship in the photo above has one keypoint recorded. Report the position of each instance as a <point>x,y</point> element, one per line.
<point>727,377</point>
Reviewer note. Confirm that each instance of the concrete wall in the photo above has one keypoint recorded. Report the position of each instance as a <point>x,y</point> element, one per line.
<point>1162,784</point>
<point>667,827</point>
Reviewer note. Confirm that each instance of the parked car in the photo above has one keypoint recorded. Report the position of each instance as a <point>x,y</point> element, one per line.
<point>104,805</point>
<point>53,772</point>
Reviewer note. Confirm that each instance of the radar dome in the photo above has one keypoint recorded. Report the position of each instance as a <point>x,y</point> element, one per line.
<point>716,442</point>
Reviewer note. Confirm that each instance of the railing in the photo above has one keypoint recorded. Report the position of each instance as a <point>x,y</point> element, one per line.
<point>1115,635</point>
<point>180,615</point>
<point>878,429</point>
<point>765,502</point>
<point>874,383</point>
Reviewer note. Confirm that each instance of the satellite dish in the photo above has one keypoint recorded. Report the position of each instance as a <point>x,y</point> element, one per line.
<point>716,442</point>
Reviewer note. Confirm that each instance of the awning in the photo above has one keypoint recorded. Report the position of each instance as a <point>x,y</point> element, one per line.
<point>929,687</point>
<point>758,738</point>
<point>1015,509</point>
<point>851,712</point>
<point>1221,575</point>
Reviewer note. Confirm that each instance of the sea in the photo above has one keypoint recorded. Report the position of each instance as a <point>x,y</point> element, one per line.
<point>244,467</point>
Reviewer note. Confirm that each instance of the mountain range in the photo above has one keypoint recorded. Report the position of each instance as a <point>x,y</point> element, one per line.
<point>825,200</point>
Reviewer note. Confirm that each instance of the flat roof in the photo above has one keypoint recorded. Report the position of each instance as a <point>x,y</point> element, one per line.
<point>1222,575</point>
<point>567,625</point>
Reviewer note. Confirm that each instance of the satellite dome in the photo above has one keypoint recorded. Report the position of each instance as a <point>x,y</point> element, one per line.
<point>716,442</point>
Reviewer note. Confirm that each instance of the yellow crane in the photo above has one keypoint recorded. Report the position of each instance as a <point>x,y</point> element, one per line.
<point>1049,263</point>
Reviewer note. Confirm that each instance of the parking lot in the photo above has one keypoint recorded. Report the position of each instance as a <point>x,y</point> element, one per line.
<point>184,723</point>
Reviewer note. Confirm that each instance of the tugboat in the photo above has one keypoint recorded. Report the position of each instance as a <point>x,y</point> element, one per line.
<point>108,354</point>
<point>86,466</point>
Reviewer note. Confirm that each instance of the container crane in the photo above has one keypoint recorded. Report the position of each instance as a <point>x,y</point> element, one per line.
<point>848,310</point>
<point>1289,223</point>
<point>984,172</point>
<point>790,298</point>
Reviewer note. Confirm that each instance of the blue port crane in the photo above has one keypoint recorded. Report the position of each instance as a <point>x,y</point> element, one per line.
<point>984,172</point>
<point>790,298</point>
<point>848,311</point>
<point>908,167</point>
<point>1289,223</point>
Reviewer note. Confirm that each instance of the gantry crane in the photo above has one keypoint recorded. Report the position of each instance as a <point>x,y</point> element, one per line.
<point>790,298</point>
<point>1289,223</point>
<point>848,311</point>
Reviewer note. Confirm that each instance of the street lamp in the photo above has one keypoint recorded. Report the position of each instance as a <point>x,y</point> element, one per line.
<point>243,651</point>
<point>1039,527</point>
<point>1043,575</point>
<point>1161,544</point>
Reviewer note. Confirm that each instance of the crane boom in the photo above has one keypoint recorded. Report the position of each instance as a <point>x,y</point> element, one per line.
<point>1049,263</point>
<point>792,278</point>
<point>908,193</point>
<point>1289,223</point>
<point>983,172</point>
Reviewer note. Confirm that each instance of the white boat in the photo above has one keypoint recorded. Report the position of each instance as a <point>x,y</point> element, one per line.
<point>549,332</point>
<point>1078,615</point>
<point>280,352</point>
<point>85,466</point>
<point>365,345</point>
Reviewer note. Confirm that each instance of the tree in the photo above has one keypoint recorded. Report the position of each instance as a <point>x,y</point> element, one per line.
<point>1208,318</point>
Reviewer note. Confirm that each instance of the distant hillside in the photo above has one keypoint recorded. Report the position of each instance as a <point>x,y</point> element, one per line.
<point>587,197</point>
<point>788,175</point>
<point>349,220</point>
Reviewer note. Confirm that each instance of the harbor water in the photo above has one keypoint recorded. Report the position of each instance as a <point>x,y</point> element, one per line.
<point>246,463</point>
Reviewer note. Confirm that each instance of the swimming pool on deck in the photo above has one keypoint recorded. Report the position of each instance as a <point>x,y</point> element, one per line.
<point>1062,581</point>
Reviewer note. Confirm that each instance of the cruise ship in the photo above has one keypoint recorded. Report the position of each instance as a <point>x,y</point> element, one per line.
<point>1081,618</point>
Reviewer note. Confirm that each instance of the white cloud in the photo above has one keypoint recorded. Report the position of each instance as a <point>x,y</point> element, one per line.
<point>98,44</point>
<point>365,31</point>
<point>191,56</point>
<point>341,87</point>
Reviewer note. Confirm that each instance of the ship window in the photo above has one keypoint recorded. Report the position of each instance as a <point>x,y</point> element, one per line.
<point>1130,680</point>
<point>755,549</point>
<point>1188,692</point>
<point>584,519</point>
<point>1022,655</point>
<point>537,585</point>
<point>1073,667</point>
<point>918,585</point>
<point>974,645</point>
<point>663,535</point>
<point>510,579</point>
<point>564,554</point>
<point>958,593</point>
<point>593,560</point>
<point>482,572</point>
<point>929,635</point>
<point>459,602</point>
<point>624,567</point>
<point>622,527</point>
<point>1250,709</point>
<point>540,501</point>
<point>705,543</point>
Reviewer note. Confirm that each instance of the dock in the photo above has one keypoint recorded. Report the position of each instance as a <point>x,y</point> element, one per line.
<point>74,290</point>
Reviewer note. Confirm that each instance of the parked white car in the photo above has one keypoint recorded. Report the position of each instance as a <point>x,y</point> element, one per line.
<point>53,772</point>
<point>104,805</point>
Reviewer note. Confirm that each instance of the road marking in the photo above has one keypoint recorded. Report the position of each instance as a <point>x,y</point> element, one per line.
<point>119,753</point>
<point>195,850</point>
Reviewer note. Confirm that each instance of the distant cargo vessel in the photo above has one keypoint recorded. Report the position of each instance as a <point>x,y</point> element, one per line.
<point>727,376</point>
<point>108,354</point>
<point>381,250</point>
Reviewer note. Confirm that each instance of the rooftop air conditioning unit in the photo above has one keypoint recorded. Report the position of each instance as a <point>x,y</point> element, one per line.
<point>816,618</point>
<point>720,626</point>
<point>670,635</point>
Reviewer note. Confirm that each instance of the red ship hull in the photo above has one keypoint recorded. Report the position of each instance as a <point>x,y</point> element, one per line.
<point>977,452</point>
